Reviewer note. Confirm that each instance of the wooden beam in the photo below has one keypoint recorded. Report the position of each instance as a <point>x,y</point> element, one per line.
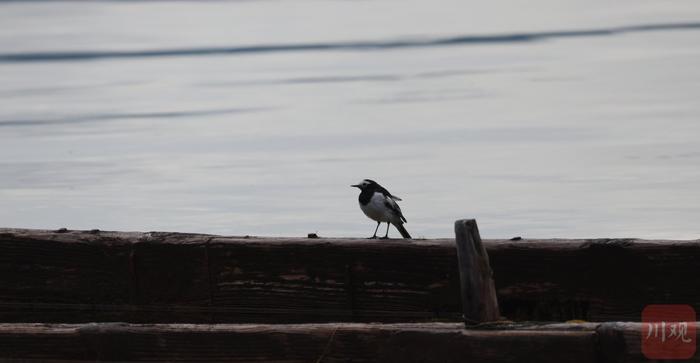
<point>427,342</point>
<point>592,279</point>
<point>79,276</point>
<point>479,303</point>
<point>82,276</point>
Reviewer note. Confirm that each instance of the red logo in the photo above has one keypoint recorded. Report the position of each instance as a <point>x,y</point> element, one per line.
<point>668,332</point>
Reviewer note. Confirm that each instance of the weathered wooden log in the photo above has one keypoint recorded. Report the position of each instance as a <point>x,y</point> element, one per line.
<point>593,279</point>
<point>81,276</point>
<point>426,342</point>
<point>479,303</point>
<point>172,277</point>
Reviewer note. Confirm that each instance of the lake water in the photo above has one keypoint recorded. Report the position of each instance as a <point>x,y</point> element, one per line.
<point>539,119</point>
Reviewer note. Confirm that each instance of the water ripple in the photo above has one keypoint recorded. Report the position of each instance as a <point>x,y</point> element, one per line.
<point>351,46</point>
<point>123,116</point>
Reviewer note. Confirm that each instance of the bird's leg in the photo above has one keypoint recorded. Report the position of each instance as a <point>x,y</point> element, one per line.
<point>386,236</point>
<point>375,231</point>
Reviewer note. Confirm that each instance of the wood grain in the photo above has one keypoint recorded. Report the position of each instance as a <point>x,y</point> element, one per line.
<point>166,277</point>
<point>81,276</point>
<point>426,342</point>
<point>596,280</point>
<point>479,302</point>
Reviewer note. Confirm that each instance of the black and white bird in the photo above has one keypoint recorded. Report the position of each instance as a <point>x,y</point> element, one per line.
<point>380,205</point>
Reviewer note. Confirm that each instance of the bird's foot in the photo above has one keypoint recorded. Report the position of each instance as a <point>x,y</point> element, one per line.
<point>385,237</point>
<point>373,237</point>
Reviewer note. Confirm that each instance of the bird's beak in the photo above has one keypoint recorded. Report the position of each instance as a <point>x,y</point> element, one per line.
<point>355,185</point>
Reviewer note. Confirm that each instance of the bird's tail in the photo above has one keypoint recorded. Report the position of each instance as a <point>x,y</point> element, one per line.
<point>402,230</point>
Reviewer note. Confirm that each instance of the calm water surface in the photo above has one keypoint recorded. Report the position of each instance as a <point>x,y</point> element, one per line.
<point>545,119</point>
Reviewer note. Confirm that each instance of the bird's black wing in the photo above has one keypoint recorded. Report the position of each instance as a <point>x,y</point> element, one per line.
<point>386,193</point>
<point>391,204</point>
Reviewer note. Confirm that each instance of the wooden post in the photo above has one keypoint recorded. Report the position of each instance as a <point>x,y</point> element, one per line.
<point>479,302</point>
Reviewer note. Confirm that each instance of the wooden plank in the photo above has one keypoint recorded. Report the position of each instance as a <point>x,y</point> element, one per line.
<point>479,302</point>
<point>167,277</point>
<point>81,276</point>
<point>350,280</point>
<point>595,280</point>
<point>631,333</point>
<point>428,342</point>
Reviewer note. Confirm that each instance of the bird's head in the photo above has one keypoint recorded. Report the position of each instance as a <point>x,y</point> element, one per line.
<point>367,183</point>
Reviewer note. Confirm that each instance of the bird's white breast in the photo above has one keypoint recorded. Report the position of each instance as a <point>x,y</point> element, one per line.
<point>377,210</point>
